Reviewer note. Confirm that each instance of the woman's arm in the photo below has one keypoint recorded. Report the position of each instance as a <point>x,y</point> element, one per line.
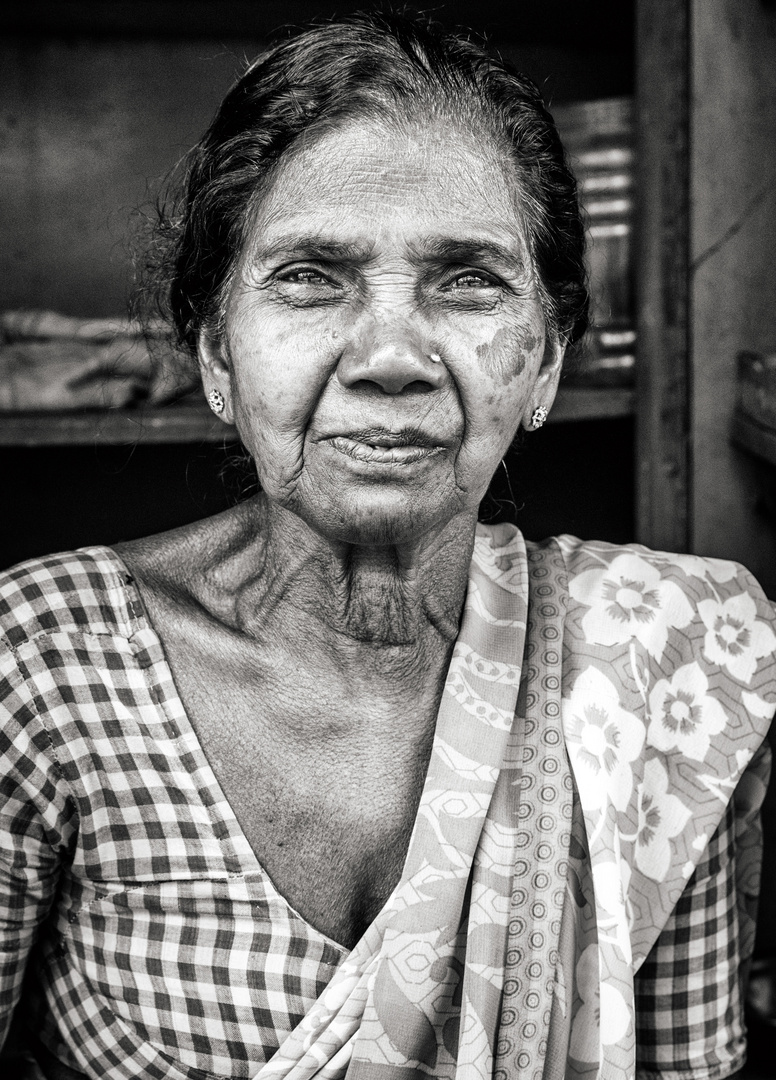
<point>690,989</point>
<point>32,831</point>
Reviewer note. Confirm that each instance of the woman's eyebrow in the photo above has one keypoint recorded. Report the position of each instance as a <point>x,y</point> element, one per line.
<point>314,247</point>
<point>468,250</point>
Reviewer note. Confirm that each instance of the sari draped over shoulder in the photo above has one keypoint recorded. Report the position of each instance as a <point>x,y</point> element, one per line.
<point>601,706</point>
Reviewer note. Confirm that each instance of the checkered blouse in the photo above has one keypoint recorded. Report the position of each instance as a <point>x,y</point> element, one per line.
<point>163,950</point>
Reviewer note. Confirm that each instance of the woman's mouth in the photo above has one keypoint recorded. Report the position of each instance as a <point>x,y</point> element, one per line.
<point>386,448</point>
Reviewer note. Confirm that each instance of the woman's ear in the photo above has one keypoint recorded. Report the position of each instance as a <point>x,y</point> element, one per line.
<point>539,401</point>
<point>215,370</point>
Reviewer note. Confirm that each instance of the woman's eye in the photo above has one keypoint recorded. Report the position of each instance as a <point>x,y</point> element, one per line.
<point>306,286</point>
<point>303,277</point>
<point>472,280</point>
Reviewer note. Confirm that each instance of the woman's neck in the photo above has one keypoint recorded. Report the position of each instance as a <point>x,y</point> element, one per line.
<point>396,595</point>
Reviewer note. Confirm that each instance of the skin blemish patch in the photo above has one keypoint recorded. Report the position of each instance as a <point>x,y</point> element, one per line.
<point>505,356</point>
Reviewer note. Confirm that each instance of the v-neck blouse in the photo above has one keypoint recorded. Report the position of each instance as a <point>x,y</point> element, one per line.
<point>167,937</point>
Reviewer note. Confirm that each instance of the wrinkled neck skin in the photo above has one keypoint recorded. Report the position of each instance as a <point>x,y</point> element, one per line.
<point>349,597</point>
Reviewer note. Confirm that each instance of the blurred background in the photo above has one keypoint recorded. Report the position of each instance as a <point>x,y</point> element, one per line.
<point>665,428</point>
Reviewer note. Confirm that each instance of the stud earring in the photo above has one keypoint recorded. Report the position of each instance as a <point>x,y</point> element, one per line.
<point>215,400</point>
<point>538,417</point>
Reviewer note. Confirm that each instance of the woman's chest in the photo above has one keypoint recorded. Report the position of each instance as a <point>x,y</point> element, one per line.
<point>324,788</point>
<point>332,839</point>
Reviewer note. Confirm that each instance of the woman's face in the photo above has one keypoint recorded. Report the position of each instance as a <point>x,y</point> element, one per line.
<point>384,337</point>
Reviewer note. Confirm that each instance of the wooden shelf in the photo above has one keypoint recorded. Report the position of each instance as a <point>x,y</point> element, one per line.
<point>193,422</point>
<point>183,422</point>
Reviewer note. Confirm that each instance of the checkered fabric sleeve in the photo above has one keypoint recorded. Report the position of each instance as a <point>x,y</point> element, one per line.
<point>37,826</point>
<point>688,999</point>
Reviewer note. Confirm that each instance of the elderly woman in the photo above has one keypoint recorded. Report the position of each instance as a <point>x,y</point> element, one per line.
<point>341,782</point>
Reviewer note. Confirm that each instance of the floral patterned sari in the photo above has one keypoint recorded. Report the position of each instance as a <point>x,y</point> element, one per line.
<point>601,706</point>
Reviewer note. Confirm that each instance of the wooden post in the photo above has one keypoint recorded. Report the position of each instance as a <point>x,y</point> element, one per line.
<point>661,267</point>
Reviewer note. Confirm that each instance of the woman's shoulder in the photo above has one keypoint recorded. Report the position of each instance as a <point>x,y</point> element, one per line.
<point>669,686</point>
<point>95,589</point>
<point>625,576</point>
<point>188,568</point>
<point>628,594</point>
<point>584,556</point>
<point>69,591</point>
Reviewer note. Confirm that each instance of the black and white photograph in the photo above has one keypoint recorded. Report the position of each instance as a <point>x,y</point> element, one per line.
<point>387,540</point>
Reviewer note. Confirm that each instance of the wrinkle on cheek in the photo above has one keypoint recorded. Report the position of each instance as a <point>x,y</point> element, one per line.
<point>505,356</point>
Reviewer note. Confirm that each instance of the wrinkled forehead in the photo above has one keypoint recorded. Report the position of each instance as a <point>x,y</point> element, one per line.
<point>386,178</point>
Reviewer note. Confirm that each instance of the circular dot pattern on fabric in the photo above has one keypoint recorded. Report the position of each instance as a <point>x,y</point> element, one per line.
<point>544,813</point>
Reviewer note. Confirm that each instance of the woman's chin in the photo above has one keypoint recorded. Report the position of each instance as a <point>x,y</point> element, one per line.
<point>377,525</point>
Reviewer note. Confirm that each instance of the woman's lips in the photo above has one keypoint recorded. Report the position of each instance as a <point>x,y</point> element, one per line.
<point>385,448</point>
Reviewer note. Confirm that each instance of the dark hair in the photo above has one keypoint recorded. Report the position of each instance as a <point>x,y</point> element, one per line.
<point>366,66</point>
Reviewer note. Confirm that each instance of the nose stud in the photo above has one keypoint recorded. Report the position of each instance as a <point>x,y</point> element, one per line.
<point>435,358</point>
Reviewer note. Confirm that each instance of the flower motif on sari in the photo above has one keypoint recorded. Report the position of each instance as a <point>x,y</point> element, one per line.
<point>661,817</point>
<point>602,739</point>
<point>757,706</point>
<point>719,570</point>
<point>682,715</point>
<point>630,600</point>
<point>611,881</point>
<point>735,639</point>
<point>603,1017</point>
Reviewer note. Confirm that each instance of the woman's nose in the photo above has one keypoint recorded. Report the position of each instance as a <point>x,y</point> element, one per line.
<point>393,361</point>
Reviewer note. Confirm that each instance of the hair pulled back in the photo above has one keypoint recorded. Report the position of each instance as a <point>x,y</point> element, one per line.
<point>370,67</point>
